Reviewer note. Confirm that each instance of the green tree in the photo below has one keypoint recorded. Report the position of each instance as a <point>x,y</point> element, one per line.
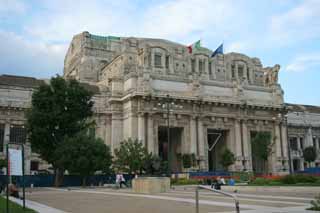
<point>261,145</point>
<point>152,164</point>
<point>130,156</point>
<point>83,155</point>
<point>309,154</point>
<point>3,163</point>
<point>59,110</point>
<point>227,158</point>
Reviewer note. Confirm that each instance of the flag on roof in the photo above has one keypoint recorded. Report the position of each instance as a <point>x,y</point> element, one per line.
<point>219,50</point>
<point>196,45</point>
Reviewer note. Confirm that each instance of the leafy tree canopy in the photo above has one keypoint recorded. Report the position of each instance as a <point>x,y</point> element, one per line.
<point>310,154</point>
<point>83,154</point>
<point>60,109</point>
<point>262,145</point>
<point>130,156</point>
<point>3,163</point>
<point>227,158</point>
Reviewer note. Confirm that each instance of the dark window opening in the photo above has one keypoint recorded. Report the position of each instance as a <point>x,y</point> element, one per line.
<point>18,134</point>
<point>1,137</point>
<point>167,62</point>
<point>157,60</point>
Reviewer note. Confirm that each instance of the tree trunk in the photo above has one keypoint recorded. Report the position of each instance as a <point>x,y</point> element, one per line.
<point>58,180</point>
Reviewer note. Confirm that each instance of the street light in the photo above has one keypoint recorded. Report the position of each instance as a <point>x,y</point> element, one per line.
<point>168,105</point>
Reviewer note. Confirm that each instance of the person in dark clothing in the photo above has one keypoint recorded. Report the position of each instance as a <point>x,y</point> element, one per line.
<point>13,190</point>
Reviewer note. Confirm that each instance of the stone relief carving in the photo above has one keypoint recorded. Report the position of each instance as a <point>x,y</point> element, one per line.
<point>271,75</point>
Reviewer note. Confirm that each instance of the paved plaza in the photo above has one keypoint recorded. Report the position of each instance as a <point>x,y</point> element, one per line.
<point>178,200</point>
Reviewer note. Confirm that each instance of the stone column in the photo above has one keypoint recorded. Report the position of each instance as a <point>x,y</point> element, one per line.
<point>196,64</point>
<point>285,146</point>
<point>277,165</point>
<point>301,161</point>
<point>299,145</point>
<point>284,141</point>
<point>116,132</point>
<point>308,137</point>
<point>151,146</point>
<point>238,142</point>
<point>317,144</point>
<point>141,128</point>
<point>201,144</point>
<point>193,135</point>
<point>108,131</point>
<point>247,153</point>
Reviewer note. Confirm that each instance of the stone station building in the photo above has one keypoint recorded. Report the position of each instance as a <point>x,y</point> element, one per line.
<point>216,102</point>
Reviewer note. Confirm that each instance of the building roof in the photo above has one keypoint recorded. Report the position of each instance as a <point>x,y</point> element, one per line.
<point>22,81</point>
<point>300,108</point>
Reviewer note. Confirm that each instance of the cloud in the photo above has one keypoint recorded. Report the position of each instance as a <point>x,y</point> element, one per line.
<point>60,24</point>
<point>299,23</point>
<point>12,6</point>
<point>238,46</point>
<point>304,62</point>
<point>23,57</point>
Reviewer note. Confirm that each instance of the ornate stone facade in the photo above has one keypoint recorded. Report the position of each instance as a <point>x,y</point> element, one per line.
<point>232,94</point>
<point>224,100</point>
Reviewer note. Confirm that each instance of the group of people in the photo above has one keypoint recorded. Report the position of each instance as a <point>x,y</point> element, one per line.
<point>217,183</point>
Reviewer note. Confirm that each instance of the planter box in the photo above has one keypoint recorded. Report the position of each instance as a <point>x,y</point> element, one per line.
<point>150,185</point>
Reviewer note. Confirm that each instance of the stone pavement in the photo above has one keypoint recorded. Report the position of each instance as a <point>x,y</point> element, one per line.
<point>178,200</point>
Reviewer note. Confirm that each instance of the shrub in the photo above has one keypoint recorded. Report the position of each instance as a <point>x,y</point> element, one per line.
<point>261,181</point>
<point>184,181</point>
<point>293,179</point>
<point>288,179</point>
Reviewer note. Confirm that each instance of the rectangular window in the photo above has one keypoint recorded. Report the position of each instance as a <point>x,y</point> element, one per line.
<point>210,68</point>
<point>200,66</point>
<point>314,143</point>
<point>1,137</point>
<point>18,134</point>
<point>157,60</point>
<point>293,144</point>
<point>232,71</point>
<point>34,165</point>
<point>193,65</point>
<point>167,62</point>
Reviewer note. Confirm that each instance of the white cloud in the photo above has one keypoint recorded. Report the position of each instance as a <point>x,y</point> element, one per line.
<point>57,23</point>
<point>193,19</point>
<point>238,46</point>
<point>12,6</point>
<point>299,23</point>
<point>304,62</point>
<point>22,57</point>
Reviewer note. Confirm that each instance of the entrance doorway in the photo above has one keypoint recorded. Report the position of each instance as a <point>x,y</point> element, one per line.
<point>216,144</point>
<point>174,149</point>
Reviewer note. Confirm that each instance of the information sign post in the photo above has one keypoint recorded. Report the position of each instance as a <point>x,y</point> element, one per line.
<point>15,167</point>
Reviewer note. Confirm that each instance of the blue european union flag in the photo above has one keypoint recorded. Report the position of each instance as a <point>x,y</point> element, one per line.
<point>219,50</point>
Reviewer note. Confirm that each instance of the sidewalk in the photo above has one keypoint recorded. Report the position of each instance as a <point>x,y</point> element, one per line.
<point>37,206</point>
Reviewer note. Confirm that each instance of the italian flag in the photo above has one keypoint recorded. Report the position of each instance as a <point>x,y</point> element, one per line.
<point>196,45</point>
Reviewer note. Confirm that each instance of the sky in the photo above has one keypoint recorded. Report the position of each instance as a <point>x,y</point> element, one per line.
<point>35,34</point>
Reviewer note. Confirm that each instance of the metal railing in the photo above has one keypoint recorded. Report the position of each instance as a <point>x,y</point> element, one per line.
<point>234,197</point>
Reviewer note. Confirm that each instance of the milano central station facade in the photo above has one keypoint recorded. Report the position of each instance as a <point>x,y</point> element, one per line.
<point>214,102</point>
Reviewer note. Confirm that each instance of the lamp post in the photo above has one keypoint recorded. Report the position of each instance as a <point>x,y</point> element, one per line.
<point>168,105</point>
